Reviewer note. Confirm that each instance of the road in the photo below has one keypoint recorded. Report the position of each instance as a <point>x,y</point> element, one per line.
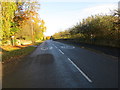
<point>57,65</point>
<point>112,51</point>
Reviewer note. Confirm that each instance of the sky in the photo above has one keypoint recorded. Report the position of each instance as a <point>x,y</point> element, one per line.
<point>59,15</point>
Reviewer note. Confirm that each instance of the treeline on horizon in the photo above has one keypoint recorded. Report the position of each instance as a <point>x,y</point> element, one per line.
<point>97,29</point>
<point>20,20</point>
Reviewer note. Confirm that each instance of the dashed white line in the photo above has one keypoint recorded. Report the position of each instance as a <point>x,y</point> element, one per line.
<point>54,46</point>
<point>60,51</point>
<point>80,71</point>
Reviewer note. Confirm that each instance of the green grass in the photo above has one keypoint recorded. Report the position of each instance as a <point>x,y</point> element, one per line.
<point>37,43</point>
<point>16,53</point>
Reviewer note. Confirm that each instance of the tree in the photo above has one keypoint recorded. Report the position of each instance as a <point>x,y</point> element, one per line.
<point>29,16</point>
<point>98,29</point>
<point>20,19</point>
<point>8,27</point>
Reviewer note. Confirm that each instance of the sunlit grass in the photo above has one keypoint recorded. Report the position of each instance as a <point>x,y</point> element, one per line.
<point>14,52</point>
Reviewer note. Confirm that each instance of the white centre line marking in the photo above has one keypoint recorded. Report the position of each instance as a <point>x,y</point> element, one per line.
<point>55,46</point>
<point>80,71</point>
<point>76,67</point>
<point>60,51</point>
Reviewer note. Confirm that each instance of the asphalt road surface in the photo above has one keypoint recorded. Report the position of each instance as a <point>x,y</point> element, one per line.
<point>57,65</point>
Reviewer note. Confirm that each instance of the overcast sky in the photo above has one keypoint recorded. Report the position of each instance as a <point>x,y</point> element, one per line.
<point>62,14</point>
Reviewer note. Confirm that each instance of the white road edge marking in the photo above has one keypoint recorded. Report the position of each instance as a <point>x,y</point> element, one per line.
<point>60,51</point>
<point>80,71</point>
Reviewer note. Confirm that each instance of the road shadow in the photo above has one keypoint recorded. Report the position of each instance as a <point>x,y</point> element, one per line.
<point>45,59</point>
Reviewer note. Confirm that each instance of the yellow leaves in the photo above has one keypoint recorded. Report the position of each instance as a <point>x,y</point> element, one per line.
<point>7,12</point>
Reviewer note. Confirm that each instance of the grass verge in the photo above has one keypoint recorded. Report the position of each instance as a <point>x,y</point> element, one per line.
<point>13,55</point>
<point>14,52</point>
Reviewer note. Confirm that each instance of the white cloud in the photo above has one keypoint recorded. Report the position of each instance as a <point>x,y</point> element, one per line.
<point>101,9</point>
